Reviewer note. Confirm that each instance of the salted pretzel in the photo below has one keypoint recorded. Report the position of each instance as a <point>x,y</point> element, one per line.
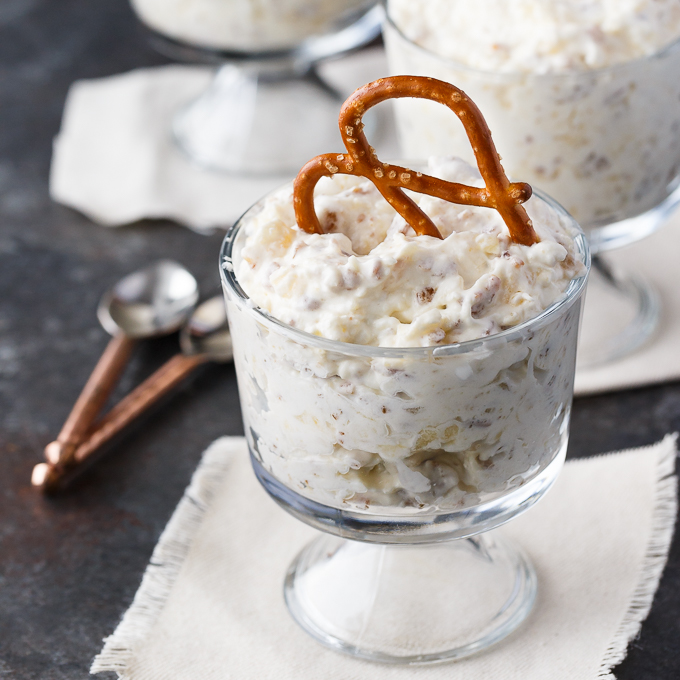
<point>361,160</point>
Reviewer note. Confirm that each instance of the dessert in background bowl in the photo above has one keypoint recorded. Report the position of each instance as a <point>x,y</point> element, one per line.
<point>247,25</point>
<point>582,96</point>
<point>405,366</point>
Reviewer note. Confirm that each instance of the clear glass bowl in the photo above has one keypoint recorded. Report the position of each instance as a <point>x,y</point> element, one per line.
<point>403,447</point>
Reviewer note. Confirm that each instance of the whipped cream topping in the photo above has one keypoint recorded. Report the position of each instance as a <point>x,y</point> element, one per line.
<point>539,36</point>
<point>370,280</point>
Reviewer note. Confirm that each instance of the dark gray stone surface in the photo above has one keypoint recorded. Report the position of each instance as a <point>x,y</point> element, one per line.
<point>69,566</point>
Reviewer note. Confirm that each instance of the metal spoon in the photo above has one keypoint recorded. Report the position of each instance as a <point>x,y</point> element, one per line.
<point>204,338</point>
<point>153,301</point>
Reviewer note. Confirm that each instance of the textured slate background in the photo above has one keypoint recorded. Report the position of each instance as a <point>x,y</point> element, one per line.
<point>70,566</point>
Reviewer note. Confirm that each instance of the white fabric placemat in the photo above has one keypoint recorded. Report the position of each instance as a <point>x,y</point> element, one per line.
<point>655,259</point>
<point>210,606</point>
<point>115,161</point>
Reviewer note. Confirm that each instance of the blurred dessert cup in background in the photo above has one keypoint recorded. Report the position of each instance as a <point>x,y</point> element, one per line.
<point>593,122</point>
<point>248,25</point>
<point>267,52</point>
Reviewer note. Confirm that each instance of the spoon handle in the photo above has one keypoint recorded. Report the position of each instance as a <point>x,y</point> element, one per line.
<point>169,375</point>
<point>91,400</point>
<point>49,477</point>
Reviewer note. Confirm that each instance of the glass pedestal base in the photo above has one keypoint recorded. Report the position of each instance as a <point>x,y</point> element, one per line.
<point>252,124</point>
<point>621,312</point>
<point>606,237</point>
<point>410,604</point>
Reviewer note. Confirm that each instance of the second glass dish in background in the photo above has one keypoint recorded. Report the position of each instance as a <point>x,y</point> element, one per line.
<point>267,53</point>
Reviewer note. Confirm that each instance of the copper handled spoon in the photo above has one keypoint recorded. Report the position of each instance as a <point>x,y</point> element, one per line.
<point>153,301</point>
<point>204,338</point>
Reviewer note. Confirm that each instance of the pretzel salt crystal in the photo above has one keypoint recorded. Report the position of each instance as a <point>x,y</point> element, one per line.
<point>499,193</point>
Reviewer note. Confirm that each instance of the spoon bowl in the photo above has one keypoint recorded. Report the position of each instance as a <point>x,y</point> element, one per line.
<point>207,332</point>
<point>153,301</point>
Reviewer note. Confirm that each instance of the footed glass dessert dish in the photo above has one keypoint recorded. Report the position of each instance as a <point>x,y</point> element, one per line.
<point>602,140</point>
<point>266,53</point>
<point>406,459</point>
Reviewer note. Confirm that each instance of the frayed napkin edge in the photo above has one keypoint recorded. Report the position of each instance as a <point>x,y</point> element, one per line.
<point>664,514</point>
<point>167,559</point>
<point>175,542</point>
<point>63,196</point>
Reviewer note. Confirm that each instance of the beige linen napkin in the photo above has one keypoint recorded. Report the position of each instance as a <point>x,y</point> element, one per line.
<point>211,606</point>
<point>115,161</point>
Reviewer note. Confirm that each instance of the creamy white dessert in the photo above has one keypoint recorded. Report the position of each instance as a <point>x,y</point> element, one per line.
<point>582,95</point>
<point>246,25</point>
<point>364,424</point>
<point>539,36</point>
<point>370,280</point>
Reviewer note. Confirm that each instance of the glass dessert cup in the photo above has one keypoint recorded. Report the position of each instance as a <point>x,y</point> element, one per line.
<point>266,80</point>
<point>405,458</point>
<point>604,142</point>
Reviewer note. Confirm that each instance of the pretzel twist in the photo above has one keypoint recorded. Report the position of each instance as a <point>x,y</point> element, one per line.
<point>361,160</point>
